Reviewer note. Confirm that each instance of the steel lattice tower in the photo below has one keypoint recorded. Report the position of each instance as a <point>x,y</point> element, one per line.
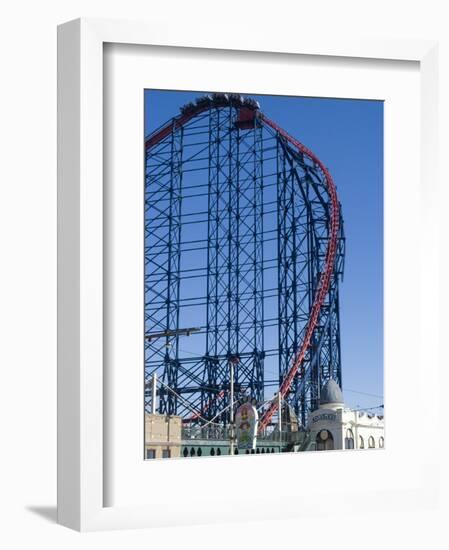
<point>244,249</point>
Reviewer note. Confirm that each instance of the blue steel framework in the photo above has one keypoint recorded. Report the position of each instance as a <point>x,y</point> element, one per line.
<point>236,235</point>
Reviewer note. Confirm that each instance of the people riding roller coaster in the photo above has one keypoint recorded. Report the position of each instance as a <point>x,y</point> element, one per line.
<point>219,100</point>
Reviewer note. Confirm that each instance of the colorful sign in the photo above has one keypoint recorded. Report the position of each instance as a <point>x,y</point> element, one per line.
<point>246,419</point>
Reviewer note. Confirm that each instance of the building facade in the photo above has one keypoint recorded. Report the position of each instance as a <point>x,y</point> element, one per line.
<point>332,426</point>
<point>162,436</point>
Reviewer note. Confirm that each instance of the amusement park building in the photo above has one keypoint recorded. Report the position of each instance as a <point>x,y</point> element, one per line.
<point>332,426</point>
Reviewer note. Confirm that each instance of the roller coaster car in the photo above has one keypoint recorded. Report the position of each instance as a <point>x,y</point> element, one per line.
<point>188,108</point>
<point>220,98</point>
<point>251,103</point>
<point>236,99</point>
<point>203,101</point>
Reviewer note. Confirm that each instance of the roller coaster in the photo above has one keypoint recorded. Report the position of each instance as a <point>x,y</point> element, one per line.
<point>244,252</point>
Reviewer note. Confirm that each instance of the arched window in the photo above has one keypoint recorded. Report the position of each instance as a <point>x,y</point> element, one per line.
<point>349,440</point>
<point>381,442</point>
<point>324,441</point>
<point>361,443</point>
<point>371,443</point>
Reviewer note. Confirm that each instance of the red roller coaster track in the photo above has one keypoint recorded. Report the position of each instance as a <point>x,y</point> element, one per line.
<point>326,274</point>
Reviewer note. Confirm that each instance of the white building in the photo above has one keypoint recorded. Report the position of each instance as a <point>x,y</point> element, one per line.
<point>332,426</point>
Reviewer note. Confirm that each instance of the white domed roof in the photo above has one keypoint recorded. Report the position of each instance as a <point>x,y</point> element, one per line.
<point>331,394</point>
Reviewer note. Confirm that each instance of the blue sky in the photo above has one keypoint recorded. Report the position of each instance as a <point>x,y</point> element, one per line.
<point>347,135</point>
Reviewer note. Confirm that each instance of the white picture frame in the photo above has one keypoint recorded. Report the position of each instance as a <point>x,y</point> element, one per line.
<point>82,392</point>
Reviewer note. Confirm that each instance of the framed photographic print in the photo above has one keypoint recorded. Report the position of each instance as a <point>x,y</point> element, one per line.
<point>243,346</point>
<point>234,271</point>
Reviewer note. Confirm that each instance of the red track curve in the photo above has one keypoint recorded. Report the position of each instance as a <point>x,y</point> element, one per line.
<point>326,275</point>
